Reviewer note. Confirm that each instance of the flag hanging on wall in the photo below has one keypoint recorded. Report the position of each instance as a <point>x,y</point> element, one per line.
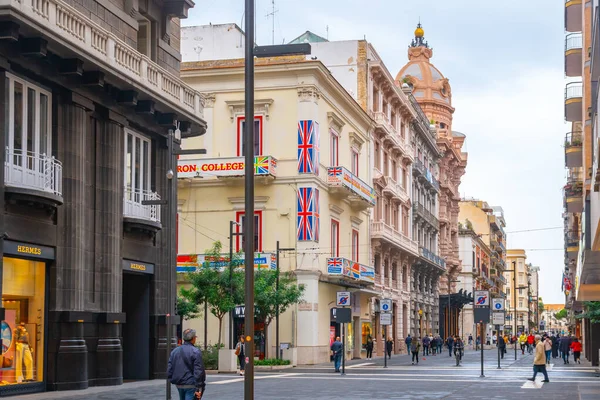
<point>308,147</point>
<point>308,214</point>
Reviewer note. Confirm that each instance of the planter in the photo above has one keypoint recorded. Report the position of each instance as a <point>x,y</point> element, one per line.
<point>271,367</point>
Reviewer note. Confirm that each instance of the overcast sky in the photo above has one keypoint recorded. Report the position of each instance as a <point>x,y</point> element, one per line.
<point>505,63</point>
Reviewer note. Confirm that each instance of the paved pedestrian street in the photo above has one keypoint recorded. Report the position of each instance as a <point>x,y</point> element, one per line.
<point>436,377</point>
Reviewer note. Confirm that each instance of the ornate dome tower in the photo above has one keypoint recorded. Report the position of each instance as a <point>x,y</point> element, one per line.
<point>430,88</point>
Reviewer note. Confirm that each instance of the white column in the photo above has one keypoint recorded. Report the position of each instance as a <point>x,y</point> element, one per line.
<point>308,320</point>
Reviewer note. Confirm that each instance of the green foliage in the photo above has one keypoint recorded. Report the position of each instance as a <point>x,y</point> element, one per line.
<point>210,356</point>
<point>541,307</point>
<point>271,361</point>
<point>468,224</point>
<point>266,297</point>
<point>218,289</point>
<point>561,314</point>
<point>592,311</point>
<point>186,308</point>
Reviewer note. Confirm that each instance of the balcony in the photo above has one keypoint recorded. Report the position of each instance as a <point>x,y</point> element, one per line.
<point>345,184</point>
<point>33,175</point>
<point>391,135</point>
<point>573,192</point>
<point>349,270</point>
<point>136,213</point>
<point>418,168</point>
<point>432,257</point>
<point>573,57</point>
<point>392,189</point>
<point>71,34</point>
<point>421,212</point>
<point>573,149</point>
<point>424,174</point>
<point>572,243</point>
<point>573,16</point>
<point>573,97</point>
<point>382,231</point>
<point>230,169</point>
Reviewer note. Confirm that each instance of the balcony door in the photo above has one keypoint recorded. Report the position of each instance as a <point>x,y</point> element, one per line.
<point>27,123</point>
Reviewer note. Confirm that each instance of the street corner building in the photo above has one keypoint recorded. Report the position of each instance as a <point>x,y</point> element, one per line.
<point>89,93</point>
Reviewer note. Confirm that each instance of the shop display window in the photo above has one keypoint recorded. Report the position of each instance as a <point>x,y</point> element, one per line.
<point>349,337</point>
<point>23,298</point>
<point>366,331</point>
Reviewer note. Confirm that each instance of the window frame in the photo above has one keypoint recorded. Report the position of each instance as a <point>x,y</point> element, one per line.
<point>144,186</point>
<point>240,120</point>
<point>355,245</point>
<point>354,161</point>
<point>258,232</point>
<point>334,151</point>
<point>335,238</point>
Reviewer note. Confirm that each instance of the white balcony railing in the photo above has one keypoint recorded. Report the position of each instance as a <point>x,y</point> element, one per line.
<point>133,207</point>
<point>573,41</point>
<point>380,228</point>
<point>573,90</point>
<point>92,40</point>
<point>33,171</point>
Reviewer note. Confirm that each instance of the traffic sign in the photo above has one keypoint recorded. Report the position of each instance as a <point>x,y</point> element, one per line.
<point>498,318</point>
<point>343,299</point>
<point>385,305</point>
<point>498,304</point>
<point>482,298</point>
<point>385,319</point>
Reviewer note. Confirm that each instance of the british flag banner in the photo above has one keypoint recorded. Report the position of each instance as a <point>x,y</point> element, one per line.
<point>308,147</point>
<point>308,214</point>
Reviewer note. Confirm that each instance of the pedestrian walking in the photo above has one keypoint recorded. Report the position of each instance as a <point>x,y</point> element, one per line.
<point>440,344</point>
<point>186,368</point>
<point>530,343</point>
<point>523,342</point>
<point>494,339</point>
<point>336,351</point>
<point>408,341</point>
<point>576,347</point>
<point>501,346</point>
<point>458,349</point>
<point>240,352</point>
<point>565,348</point>
<point>450,343</point>
<point>548,348</point>
<point>555,344</point>
<point>369,347</point>
<point>433,345</point>
<point>389,346</point>
<point>470,340</point>
<point>426,346</point>
<point>415,346</point>
<point>487,339</point>
<point>539,360</point>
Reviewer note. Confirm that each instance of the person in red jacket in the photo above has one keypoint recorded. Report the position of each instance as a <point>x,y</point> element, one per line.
<point>576,347</point>
<point>530,341</point>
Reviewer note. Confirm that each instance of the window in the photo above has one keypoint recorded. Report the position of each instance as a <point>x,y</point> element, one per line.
<point>520,303</point>
<point>354,161</point>
<point>258,135</point>
<point>507,292</point>
<point>386,165</point>
<point>404,178</point>
<point>402,127</point>
<point>377,155</point>
<point>240,218</point>
<point>27,123</point>
<point>355,245</point>
<point>405,221</point>
<point>334,153</point>
<point>375,99</point>
<point>335,238</point>
<point>137,166</point>
<point>393,120</point>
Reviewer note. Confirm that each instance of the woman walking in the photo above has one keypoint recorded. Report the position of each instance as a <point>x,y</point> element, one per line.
<point>576,347</point>
<point>547,348</point>
<point>369,347</point>
<point>240,352</point>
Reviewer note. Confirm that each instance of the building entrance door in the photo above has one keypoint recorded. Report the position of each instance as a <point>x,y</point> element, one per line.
<point>136,331</point>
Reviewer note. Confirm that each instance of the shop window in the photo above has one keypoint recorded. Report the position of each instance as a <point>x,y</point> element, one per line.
<point>240,218</point>
<point>355,245</point>
<point>334,153</point>
<point>366,333</point>
<point>258,135</point>
<point>335,238</point>
<point>23,298</point>
<point>27,123</point>
<point>138,170</point>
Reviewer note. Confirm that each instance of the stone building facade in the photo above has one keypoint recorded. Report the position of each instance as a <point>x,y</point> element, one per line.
<point>88,111</point>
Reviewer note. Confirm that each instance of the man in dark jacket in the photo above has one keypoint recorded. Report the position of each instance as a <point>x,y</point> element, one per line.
<point>186,368</point>
<point>565,347</point>
<point>336,351</point>
<point>408,341</point>
<point>450,343</point>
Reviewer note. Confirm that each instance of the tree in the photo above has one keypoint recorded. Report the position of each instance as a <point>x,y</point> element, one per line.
<point>562,314</point>
<point>186,309</point>
<point>541,307</point>
<point>592,311</point>
<point>211,283</point>
<point>267,297</point>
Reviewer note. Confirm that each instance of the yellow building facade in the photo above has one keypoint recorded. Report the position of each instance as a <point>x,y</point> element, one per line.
<point>516,260</point>
<point>312,194</point>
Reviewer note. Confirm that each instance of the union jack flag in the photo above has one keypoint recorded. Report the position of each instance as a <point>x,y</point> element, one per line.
<point>261,165</point>
<point>334,171</point>
<point>308,147</point>
<point>308,214</point>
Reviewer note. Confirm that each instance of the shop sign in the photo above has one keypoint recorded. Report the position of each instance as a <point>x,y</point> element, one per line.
<point>340,176</point>
<point>239,312</point>
<point>192,262</point>
<point>231,166</point>
<point>28,250</point>
<point>138,266</point>
<point>343,267</point>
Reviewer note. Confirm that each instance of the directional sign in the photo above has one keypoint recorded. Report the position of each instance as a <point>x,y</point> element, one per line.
<point>498,304</point>
<point>385,305</point>
<point>343,299</point>
<point>482,298</point>
<point>497,318</point>
<point>385,319</point>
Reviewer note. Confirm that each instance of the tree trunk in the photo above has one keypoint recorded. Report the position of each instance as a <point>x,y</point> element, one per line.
<point>220,325</point>
<point>267,339</point>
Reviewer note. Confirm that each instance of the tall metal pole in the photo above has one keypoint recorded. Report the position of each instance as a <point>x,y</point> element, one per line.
<point>528,305</point>
<point>170,231</point>
<point>277,305</point>
<point>231,282</point>
<point>248,230</point>
<point>482,332</point>
<point>449,314</point>
<point>515,303</point>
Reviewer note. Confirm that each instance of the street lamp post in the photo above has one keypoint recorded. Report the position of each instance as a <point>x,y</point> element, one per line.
<point>231,235</point>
